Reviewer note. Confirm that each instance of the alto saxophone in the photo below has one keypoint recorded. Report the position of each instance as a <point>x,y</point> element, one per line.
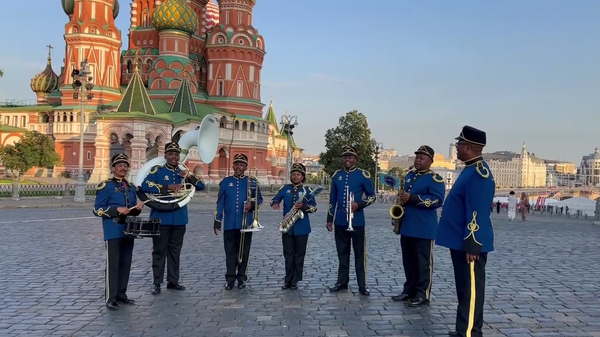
<point>296,214</point>
<point>397,211</point>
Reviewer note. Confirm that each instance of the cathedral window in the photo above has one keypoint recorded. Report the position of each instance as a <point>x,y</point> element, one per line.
<point>145,17</point>
<point>148,65</point>
<point>129,67</point>
<point>245,126</point>
<point>239,18</point>
<point>223,122</point>
<point>255,91</point>
<point>220,89</point>
<point>227,17</point>
<point>237,125</point>
<point>252,127</point>
<point>240,89</point>
<point>23,121</point>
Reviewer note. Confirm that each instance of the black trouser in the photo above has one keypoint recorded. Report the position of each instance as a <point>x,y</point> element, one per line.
<point>343,241</point>
<point>167,245</point>
<point>470,290</point>
<point>294,251</point>
<point>417,259</point>
<point>236,270</point>
<point>118,266</point>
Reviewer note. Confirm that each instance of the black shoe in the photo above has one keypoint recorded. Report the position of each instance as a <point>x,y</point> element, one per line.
<point>286,285</point>
<point>112,306</point>
<point>337,287</point>
<point>241,284</point>
<point>229,285</point>
<point>127,301</point>
<point>402,298</point>
<point>453,334</point>
<point>156,289</point>
<point>294,286</point>
<point>364,291</point>
<point>418,302</point>
<point>175,286</point>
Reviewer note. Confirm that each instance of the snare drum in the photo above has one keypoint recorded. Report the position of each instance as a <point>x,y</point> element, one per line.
<point>139,228</point>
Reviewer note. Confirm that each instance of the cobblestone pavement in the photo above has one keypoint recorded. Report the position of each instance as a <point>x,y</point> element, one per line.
<point>542,281</point>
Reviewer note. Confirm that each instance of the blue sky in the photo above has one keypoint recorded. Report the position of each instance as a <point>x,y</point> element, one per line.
<point>522,70</point>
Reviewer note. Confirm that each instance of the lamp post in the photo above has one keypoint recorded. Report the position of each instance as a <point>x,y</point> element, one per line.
<point>82,90</point>
<point>378,149</point>
<point>288,123</point>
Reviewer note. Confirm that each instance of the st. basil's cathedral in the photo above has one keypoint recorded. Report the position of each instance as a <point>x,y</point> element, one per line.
<point>185,59</point>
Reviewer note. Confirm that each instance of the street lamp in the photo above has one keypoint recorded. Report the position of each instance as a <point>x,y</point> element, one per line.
<point>288,123</point>
<point>378,149</point>
<point>82,90</point>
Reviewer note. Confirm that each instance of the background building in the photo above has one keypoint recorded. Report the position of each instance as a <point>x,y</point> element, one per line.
<point>184,60</point>
<point>514,170</point>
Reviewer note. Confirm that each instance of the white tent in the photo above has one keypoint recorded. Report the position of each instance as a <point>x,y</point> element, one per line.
<point>585,205</point>
<point>503,200</point>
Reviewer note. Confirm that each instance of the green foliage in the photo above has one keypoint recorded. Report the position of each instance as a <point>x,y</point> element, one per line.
<point>33,150</point>
<point>396,171</point>
<point>1,73</point>
<point>353,130</point>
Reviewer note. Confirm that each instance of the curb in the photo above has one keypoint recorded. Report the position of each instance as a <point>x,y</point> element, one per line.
<point>77,205</point>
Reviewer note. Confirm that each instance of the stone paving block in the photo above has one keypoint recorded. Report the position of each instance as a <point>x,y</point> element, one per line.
<point>535,283</point>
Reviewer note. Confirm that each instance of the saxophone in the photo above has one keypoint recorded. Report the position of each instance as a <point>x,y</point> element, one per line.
<point>397,211</point>
<point>296,214</point>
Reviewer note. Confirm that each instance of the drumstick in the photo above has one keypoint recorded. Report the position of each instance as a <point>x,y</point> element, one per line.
<point>132,208</point>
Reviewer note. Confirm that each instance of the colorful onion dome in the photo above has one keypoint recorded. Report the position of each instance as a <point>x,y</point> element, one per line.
<point>176,15</point>
<point>212,15</point>
<point>116,8</point>
<point>69,7</point>
<point>46,81</point>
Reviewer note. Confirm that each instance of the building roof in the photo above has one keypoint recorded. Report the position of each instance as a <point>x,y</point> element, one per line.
<point>184,101</point>
<point>136,97</point>
<point>270,117</point>
<point>509,155</point>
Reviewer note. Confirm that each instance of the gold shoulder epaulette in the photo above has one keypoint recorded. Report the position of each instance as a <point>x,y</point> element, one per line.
<point>102,185</point>
<point>436,177</point>
<point>366,173</point>
<point>154,169</point>
<point>334,173</point>
<point>482,170</point>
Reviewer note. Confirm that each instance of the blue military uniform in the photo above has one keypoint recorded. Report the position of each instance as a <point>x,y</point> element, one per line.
<point>358,182</point>
<point>110,195</point>
<point>426,191</point>
<point>466,228</point>
<point>229,216</point>
<point>167,246</point>
<point>296,239</point>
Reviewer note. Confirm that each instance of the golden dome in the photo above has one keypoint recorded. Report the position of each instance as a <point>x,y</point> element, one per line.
<point>46,81</point>
<point>175,14</point>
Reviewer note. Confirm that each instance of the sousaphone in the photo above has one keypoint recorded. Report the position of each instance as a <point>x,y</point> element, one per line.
<point>206,138</point>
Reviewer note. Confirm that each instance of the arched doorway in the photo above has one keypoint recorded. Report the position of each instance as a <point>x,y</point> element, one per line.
<point>115,146</point>
<point>223,163</point>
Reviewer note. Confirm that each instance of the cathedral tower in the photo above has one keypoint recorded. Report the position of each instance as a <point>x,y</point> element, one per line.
<point>235,53</point>
<point>91,34</point>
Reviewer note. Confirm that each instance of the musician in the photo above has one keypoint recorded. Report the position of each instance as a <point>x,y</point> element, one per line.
<point>358,182</point>
<point>115,200</point>
<point>466,228</point>
<point>164,179</point>
<point>424,194</point>
<point>297,196</point>
<point>231,205</point>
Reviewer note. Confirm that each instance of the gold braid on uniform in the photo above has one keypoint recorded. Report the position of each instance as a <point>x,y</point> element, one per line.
<point>427,202</point>
<point>482,170</point>
<point>470,243</point>
<point>436,177</point>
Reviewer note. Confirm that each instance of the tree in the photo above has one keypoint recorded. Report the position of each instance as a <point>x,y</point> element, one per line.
<point>1,73</point>
<point>353,130</point>
<point>396,171</point>
<point>33,150</point>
